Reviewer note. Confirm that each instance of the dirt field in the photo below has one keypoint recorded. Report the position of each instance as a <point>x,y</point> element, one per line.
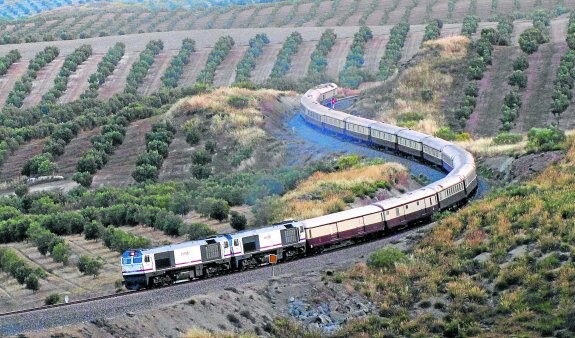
<point>116,82</point>
<point>78,81</point>
<point>536,98</point>
<point>7,81</point>
<point>336,57</point>
<point>375,49</point>
<point>301,60</point>
<point>153,80</point>
<point>265,63</point>
<point>450,29</point>
<point>44,81</point>
<point>412,43</point>
<point>226,72</point>
<point>73,151</point>
<point>191,70</point>
<point>118,170</point>
<point>492,89</point>
<point>178,164</point>
<point>14,163</point>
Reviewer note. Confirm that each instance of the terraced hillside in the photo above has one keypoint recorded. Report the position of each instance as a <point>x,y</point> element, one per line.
<point>85,21</point>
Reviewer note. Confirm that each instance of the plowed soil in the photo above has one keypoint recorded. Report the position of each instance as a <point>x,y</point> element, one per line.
<point>396,15</point>
<point>44,81</point>
<point>301,60</point>
<point>116,82</point>
<point>78,81</point>
<point>450,29</point>
<point>118,170</point>
<point>73,151</point>
<point>492,89</point>
<point>412,43</point>
<point>374,51</point>
<point>153,80</point>
<point>178,164</point>
<point>194,67</point>
<point>265,63</point>
<point>419,14</point>
<point>7,81</point>
<point>536,98</point>
<point>336,57</point>
<point>15,162</point>
<point>226,72</point>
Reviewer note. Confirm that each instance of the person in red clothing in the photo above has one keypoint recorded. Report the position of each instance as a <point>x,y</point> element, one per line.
<point>333,101</point>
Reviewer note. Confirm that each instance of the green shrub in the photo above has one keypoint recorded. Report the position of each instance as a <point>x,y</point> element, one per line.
<point>238,221</point>
<point>53,299</point>
<point>238,102</point>
<point>198,231</point>
<point>386,258</point>
<point>544,139</point>
<point>521,63</point>
<point>507,138</point>
<point>518,78</point>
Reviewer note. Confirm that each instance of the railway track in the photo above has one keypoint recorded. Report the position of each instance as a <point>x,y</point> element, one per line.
<point>131,302</point>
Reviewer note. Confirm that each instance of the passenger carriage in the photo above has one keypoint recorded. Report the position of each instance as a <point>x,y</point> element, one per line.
<point>384,134</point>
<point>334,228</point>
<point>450,191</point>
<point>402,210</point>
<point>432,149</point>
<point>410,142</point>
<point>357,127</point>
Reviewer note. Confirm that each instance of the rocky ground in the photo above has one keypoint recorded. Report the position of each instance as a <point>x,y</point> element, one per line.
<point>510,169</point>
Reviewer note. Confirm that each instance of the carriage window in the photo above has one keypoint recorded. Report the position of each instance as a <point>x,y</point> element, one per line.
<point>387,212</point>
<point>236,242</point>
<point>138,259</point>
<point>147,259</point>
<point>126,261</point>
<point>406,207</point>
<point>397,211</point>
<point>417,202</point>
<point>226,245</point>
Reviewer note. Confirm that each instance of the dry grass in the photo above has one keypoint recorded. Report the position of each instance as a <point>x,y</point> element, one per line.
<point>202,333</point>
<point>324,193</point>
<point>244,124</point>
<point>422,86</point>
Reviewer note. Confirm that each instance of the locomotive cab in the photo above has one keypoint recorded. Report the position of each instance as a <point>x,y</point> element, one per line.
<point>134,267</point>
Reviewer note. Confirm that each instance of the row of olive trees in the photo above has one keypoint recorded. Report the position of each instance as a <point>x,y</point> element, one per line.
<point>176,68</point>
<point>283,60</point>
<point>140,68</point>
<point>23,86</point>
<point>470,24</point>
<point>318,63</point>
<point>353,73</point>
<point>565,79</point>
<point>157,149</point>
<point>105,68</point>
<point>221,49</point>
<point>10,262</point>
<point>389,61</point>
<point>248,61</point>
<point>70,65</point>
<point>432,30</point>
<point>7,60</point>
<point>112,135</point>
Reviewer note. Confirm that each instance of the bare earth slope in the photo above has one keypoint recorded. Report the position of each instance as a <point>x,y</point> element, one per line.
<point>7,81</point>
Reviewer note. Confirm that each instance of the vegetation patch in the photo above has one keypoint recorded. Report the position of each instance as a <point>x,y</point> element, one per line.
<point>176,68</point>
<point>141,67</point>
<point>221,49</point>
<point>389,61</point>
<point>105,68</point>
<point>353,73</point>
<point>248,61</point>
<point>283,61</point>
<point>70,65</point>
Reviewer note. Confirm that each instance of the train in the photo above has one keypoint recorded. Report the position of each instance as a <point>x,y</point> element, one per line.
<point>165,265</point>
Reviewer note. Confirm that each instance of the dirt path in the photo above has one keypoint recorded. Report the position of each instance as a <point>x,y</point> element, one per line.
<point>153,80</point>
<point>336,57</point>
<point>300,61</point>
<point>178,164</point>
<point>15,162</point>
<point>395,16</point>
<point>450,29</point>
<point>536,98</point>
<point>412,43</point>
<point>492,89</point>
<point>116,82</point>
<point>194,67</point>
<point>43,82</point>
<point>518,28</point>
<point>73,151</point>
<point>374,51</point>
<point>78,81</point>
<point>265,63</point>
<point>226,72</point>
<point>118,170</point>
<point>558,30</point>
<point>7,81</point>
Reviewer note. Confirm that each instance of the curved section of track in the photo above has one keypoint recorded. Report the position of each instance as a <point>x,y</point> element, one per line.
<point>118,304</point>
